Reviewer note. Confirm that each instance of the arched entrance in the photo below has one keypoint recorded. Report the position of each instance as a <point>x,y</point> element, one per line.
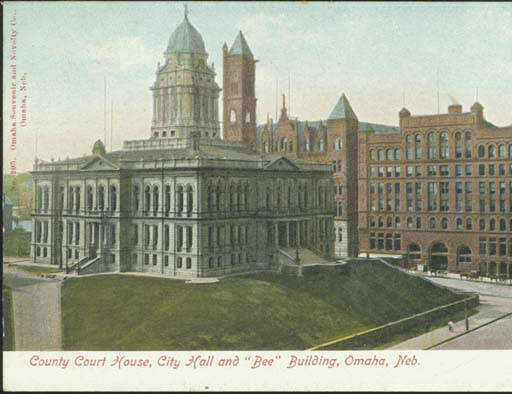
<point>438,256</point>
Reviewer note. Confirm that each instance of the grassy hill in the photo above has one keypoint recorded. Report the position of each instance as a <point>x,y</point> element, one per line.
<point>266,311</point>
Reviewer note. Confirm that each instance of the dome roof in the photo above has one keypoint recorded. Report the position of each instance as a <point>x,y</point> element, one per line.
<point>98,148</point>
<point>186,39</point>
<point>477,107</point>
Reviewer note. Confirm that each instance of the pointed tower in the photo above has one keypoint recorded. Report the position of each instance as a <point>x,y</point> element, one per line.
<point>239,93</point>
<point>342,151</point>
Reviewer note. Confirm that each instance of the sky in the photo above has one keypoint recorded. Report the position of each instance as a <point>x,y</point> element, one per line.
<point>381,55</point>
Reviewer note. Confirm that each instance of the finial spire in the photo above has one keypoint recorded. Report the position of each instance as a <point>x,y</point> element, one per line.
<point>186,10</point>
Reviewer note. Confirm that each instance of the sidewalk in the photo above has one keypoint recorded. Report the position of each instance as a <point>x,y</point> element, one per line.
<point>490,309</point>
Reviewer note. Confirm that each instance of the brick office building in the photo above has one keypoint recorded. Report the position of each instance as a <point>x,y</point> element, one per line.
<point>439,191</point>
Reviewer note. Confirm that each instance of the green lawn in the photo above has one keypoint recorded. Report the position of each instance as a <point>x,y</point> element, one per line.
<point>266,311</point>
<point>37,270</point>
<point>16,244</point>
<point>8,322</point>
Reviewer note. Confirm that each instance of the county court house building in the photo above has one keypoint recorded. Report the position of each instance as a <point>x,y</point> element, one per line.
<point>437,189</point>
<point>184,202</point>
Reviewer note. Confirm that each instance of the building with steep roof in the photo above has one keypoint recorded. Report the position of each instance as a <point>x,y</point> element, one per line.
<point>184,202</point>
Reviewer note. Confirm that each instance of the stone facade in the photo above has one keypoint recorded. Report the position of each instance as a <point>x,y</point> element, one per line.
<point>183,202</point>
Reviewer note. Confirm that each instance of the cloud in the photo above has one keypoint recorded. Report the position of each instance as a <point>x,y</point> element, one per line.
<point>124,54</point>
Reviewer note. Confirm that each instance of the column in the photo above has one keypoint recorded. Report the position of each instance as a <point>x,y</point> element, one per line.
<point>297,231</point>
<point>287,234</point>
<point>276,234</point>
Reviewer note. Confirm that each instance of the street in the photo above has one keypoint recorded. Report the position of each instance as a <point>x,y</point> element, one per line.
<point>36,308</point>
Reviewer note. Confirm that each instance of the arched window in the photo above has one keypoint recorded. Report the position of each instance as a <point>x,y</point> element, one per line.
<point>101,198</point>
<point>458,224</point>
<point>408,147</point>
<point>268,197</point>
<point>458,145</point>
<point>217,198</point>
<point>39,198</point>
<point>397,222</point>
<point>322,144</point>
<point>113,198</point>
<point>418,222</point>
<point>491,152</point>
<point>398,154</point>
<point>71,198</point>
<point>417,146</point>
<point>492,224</point>
<point>481,224</point>
<point>431,142</point>
<point>503,225</point>
<point>372,221</point>
<point>308,144</point>
<point>136,197</point>
<point>443,144</point>
<point>380,155</point>
<point>469,224</point>
<point>444,223</point>
<point>432,223</point>
<point>290,146</point>
<point>481,151</point>
<point>464,254</point>
<point>409,223</point>
<point>190,200</point>
<point>179,200</point>
<point>501,151</point>
<point>389,154</point>
<point>265,149</point>
<point>77,199</point>
<point>167,199</point>
<point>380,221</point>
<point>231,198</point>
<point>389,221</point>
<point>467,145</point>
<point>155,200</point>
<point>238,197</point>
<point>372,155</point>
<point>89,198</point>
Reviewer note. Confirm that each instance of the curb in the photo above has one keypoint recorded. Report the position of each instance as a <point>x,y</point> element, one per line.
<point>467,332</point>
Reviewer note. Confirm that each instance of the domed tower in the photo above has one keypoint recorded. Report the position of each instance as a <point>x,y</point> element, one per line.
<point>239,93</point>
<point>185,94</point>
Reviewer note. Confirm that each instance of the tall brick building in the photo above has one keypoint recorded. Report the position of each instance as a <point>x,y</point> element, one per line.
<point>439,191</point>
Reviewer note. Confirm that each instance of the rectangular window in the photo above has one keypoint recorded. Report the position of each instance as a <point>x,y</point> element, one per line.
<point>397,172</point>
<point>381,172</point>
<point>179,262</point>
<point>432,171</point>
<point>444,187</point>
<point>469,170</point>
<point>166,261</point>
<point>372,188</point>
<point>408,171</point>
<point>189,263</point>
<point>444,170</point>
<point>397,188</point>
<point>481,169</point>
<point>458,170</point>
<point>135,234</point>
<point>469,204</point>
<point>492,206</point>
<point>443,206</point>
<point>482,205</point>
<point>146,259</point>
<point>389,172</point>
<point>483,246</point>
<point>210,236</point>
<point>419,171</point>
<point>458,204</point>
<point>458,187</point>
<point>492,169</point>
<point>481,187</point>
<point>503,187</point>
<point>501,170</point>
<point>154,259</point>
<point>492,188</point>
<point>372,172</point>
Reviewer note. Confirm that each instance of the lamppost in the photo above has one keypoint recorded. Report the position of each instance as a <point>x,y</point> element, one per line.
<point>466,315</point>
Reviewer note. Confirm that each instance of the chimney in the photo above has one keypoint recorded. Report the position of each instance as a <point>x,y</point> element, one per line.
<point>455,109</point>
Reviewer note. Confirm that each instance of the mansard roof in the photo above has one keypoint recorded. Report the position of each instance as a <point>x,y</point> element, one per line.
<point>240,46</point>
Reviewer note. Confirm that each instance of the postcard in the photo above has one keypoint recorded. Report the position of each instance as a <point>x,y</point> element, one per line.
<point>257,196</point>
